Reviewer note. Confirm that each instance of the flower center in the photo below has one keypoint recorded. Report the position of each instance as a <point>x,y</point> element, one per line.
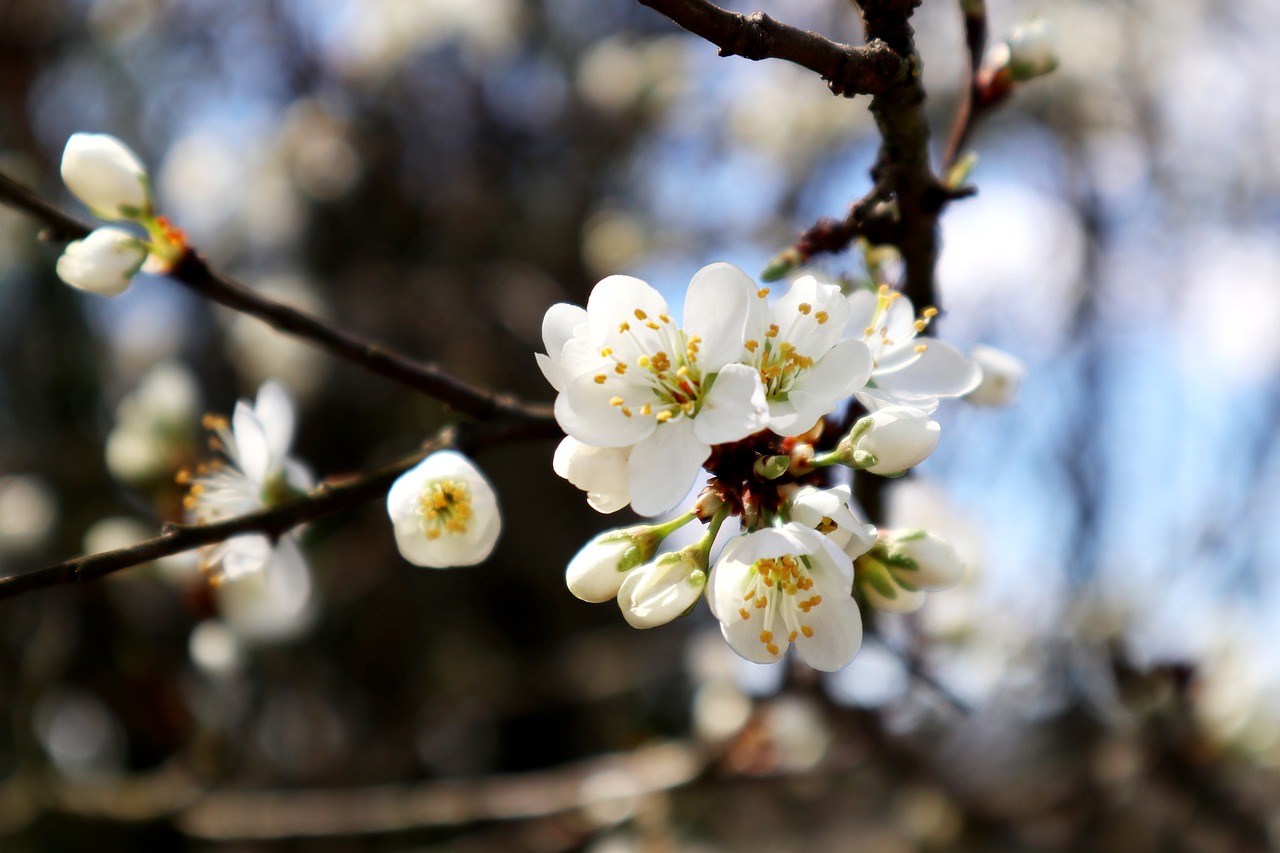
<point>774,587</point>
<point>876,334</point>
<point>445,507</point>
<point>665,381</point>
<point>777,358</point>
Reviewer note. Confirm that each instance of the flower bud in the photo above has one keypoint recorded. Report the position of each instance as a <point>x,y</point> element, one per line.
<point>919,560</point>
<point>658,592</point>
<point>103,263</point>
<point>1033,49</point>
<point>596,572</point>
<point>106,176</point>
<point>890,440</point>
<point>1001,375</point>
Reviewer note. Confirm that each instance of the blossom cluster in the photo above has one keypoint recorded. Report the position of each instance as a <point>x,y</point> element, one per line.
<point>108,177</point>
<point>747,389</point>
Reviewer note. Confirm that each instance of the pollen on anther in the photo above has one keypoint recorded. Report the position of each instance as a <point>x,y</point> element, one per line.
<point>752,345</point>
<point>929,313</point>
<point>822,317</point>
<point>664,416</point>
<point>751,593</point>
<point>791,638</point>
<point>744,613</point>
<point>653,325</point>
<point>620,368</point>
<point>600,378</point>
<point>625,411</point>
<point>920,325</point>
<point>624,326</point>
<point>869,331</point>
<point>766,637</point>
<point>646,409</point>
<point>806,630</point>
<point>664,318</point>
<point>762,292</point>
<point>773,650</point>
<point>606,352</point>
<point>921,348</point>
<point>616,401</point>
<point>804,308</point>
<point>640,315</point>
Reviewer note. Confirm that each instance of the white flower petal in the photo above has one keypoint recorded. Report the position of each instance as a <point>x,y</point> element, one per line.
<point>275,604</point>
<point>274,411</point>
<point>244,555</point>
<point>592,574</point>
<point>715,309</point>
<point>252,449</point>
<point>585,411</point>
<point>601,472</point>
<point>904,375</point>
<point>734,408</point>
<point>664,467</point>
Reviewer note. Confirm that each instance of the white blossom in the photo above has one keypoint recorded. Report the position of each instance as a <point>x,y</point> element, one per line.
<point>274,603</point>
<point>783,585</point>
<point>830,511</point>
<point>256,471</point>
<point>630,377</point>
<point>905,371</point>
<point>105,175</point>
<point>657,592</point>
<point>1001,375</point>
<point>891,440</point>
<point>444,512</point>
<point>154,425</point>
<point>104,262</point>
<point>804,365</point>
<point>601,472</point>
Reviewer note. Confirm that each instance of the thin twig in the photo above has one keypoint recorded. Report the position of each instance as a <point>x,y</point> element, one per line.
<point>971,106</point>
<point>848,70</point>
<point>192,271</point>
<point>327,498</point>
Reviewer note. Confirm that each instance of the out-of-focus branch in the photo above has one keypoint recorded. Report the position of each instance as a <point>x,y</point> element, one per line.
<point>973,105</point>
<point>332,495</point>
<point>173,793</point>
<point>192,271</point>
<point>848,70</point>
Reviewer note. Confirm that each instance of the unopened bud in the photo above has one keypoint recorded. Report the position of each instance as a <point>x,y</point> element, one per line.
<point>1033,49</point>
<point>108,177</point>
<point>771,467</point>
<point>103,262</point>
<point>596,572</point>
<point>658,592</point>
<point>1001,375</point>
<point>890,441</point>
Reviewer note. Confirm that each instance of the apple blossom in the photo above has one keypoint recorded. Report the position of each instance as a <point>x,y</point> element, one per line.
<point>444,512</point>
<point>795,345</point>
<point>630,377</point>
<point>1001,375</point>
<point>890,440</point>
<point>108,177</point>
<point>256,472</point>
<point>905,371</point>
<point>782,585</point>
<point>104,262</point>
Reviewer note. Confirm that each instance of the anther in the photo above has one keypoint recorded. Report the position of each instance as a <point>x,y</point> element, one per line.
<point>921,348</point>
<point>600,378</point>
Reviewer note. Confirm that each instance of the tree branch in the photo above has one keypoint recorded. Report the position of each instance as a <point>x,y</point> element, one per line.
<point>193,272</point>
<point>332,495</point>
<point>848,70</point>
<point>972,107</point>
<point>902,165</point>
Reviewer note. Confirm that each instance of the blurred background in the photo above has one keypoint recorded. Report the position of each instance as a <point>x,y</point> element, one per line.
<point>435,173</point>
